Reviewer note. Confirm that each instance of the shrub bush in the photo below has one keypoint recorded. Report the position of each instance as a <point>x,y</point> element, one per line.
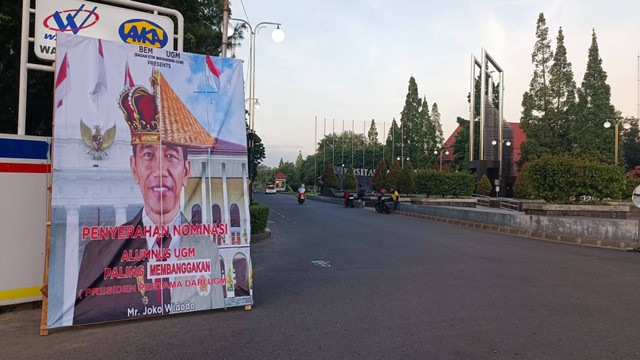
<point>430,182</point>
<point>259,218</point>
<point>426,182</point>
<point>522,189</point>
<point>559,178</point>
<point>483,186</point>
<point>461,184</point>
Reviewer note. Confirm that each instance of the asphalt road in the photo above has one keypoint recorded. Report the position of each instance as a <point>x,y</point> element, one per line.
<point>338,283</point>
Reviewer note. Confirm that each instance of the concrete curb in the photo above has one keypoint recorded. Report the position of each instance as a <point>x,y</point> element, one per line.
<point>259,237</point>
<point>541,235</point>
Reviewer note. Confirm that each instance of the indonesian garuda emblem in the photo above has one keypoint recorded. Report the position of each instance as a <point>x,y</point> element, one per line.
<point>97,142</point>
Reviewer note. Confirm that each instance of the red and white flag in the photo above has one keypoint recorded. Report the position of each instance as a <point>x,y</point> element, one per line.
<point>62,82</point>
<point>101,81</point>
<point>213,74</point>
<point>128,79</point>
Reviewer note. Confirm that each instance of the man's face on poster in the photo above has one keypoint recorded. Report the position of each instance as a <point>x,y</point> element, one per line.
<point>161,171</point>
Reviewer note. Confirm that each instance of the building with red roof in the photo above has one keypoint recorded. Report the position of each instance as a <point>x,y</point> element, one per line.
<point>280,181</point>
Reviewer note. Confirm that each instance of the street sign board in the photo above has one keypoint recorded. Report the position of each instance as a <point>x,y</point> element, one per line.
<point>99,21</point>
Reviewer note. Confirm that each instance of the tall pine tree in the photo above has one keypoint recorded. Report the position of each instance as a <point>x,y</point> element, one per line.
<point>372,134</point>
<point>428,137</point>
<point>594,107</point>
<point>563,98</point>
<point>436,120</point>
<point>411,123</point>
<point>537,100</point>
<point>374,144</point>
<point>393,142</point>
<point>379,176</point>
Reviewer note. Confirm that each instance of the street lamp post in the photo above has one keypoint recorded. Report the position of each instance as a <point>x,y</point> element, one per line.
<point>494,143</point>
<point>626,126</point>
<point>446,151</point>
<point>402,161</point>
<point>278,36</point>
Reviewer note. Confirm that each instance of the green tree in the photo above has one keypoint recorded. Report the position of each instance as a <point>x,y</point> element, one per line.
<point>393,177</point>
<point>393,142</point>
<point>202,24</point>
<point>338,148</point>
<point>407,182</point>
<point>380,175</point>
<point>412,123</point>
<point>349,182</point>
<point>372,134</point>
<point>593,109</point>
<point>40,84</point>
<point>428,142</point>
<point>374,148</point>
<point>537,100</point>
<point>631,145</point>
<point>264,175</point>
<point>288,168</point>
<point>437,123</point>
<point>310,169</point>
<point>562,88</point>
<point>329,177</point>
<point>256,152</point>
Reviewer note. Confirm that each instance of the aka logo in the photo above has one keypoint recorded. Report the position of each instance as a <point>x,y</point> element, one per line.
<point>71,20</point>
<point>143,32</point>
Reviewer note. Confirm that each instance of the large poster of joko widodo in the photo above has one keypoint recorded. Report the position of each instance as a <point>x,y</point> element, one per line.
<point>150,203</point>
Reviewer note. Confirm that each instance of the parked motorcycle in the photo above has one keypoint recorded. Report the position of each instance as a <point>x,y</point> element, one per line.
<point>301,198</point>
<point>350,201</point>
<point>384,205</point>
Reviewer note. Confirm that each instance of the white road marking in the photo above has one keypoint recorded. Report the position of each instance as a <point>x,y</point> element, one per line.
<point>321,263</point>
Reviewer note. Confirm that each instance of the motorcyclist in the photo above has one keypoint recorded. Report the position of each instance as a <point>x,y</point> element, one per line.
<point>300,195</point>
<point>346,197</point>
<point>395,197</point>
<point>381,194</point>
<point>380,203</point>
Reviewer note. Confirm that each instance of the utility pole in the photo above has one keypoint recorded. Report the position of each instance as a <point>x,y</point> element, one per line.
<point>225,26</point>
<point>315,155</point>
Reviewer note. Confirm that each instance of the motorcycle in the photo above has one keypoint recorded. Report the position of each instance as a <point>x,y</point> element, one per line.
<point>301,198</point>
<point>350,201</point>
<point>384,205</point>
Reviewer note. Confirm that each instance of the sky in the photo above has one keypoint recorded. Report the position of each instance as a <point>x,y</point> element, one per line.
<point>351,60</point>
